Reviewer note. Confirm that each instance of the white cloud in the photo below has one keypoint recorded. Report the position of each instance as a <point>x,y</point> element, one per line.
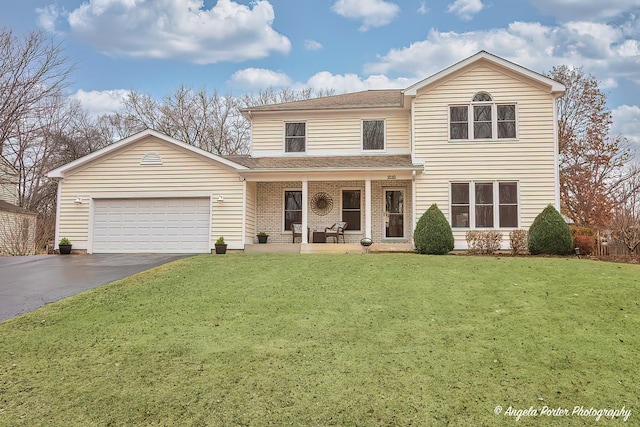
<point>422,10</point>
<point>312,45</point>
<point>465,9</point>
<point>626,121</point>
<point>179,29</point>
<point>373,13</point>
<point>47,17</point>
<point>586,9</point>
<point>259,78</point>
<point>97,103</point>
<point>595,47</point>
<point>352,82</point>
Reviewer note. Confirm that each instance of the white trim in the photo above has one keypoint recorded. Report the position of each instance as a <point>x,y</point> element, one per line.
<point>244,212</point>
<point>283,219</point>
<point>91,225</point>
<point>367,212</point>
<point>212,245</point>
<point>58,200</point>
<point>412,131</point>
<point>404,212</point>
<point>304,239</point>
<point>494,121</point>
<point>148,195</point>
<point>496,204</point>
<point>556,155</point>
<point>414,220</point>
<point>384,136</point>
<point>284,137</point>
<point>553,86</point>
<point>62,171</point>
<point>313,152</point>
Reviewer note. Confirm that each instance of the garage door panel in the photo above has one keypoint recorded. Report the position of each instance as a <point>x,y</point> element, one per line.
<point>168,225</point>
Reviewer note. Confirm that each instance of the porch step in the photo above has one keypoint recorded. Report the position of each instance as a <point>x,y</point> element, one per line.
<point>273,248</point>
<point>332,248</point>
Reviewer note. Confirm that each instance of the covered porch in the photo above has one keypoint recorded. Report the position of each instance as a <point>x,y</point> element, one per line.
<point>375,201</point>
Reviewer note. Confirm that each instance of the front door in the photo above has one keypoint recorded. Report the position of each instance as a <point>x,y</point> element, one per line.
<point>394,214</point>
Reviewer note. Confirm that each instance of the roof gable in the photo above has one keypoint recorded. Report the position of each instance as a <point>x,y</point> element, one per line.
<point>552,86</point>
<point>82,162</point>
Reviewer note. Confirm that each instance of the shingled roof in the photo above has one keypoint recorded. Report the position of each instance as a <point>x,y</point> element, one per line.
<point>388,98</point>
<point>9,207</point>
<point>391,162</point>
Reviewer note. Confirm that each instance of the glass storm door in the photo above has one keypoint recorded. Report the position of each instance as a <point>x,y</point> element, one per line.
<point>394,214</point>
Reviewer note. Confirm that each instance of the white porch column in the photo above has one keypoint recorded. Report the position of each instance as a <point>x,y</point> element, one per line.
<point>305,196</point>
<point>367,208</point>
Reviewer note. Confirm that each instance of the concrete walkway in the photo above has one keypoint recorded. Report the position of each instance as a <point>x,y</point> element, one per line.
<point>29,282</point>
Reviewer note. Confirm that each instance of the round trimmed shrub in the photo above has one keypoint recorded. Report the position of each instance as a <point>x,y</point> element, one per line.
<point>433,233</point>
<point>549,234</point>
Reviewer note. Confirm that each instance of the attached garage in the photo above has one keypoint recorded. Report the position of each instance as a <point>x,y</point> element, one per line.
<point>168,225</point>
<point>150,193</point>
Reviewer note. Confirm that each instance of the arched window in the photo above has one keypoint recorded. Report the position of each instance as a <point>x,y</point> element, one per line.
<point>482,118</point>
<point>482,97</point>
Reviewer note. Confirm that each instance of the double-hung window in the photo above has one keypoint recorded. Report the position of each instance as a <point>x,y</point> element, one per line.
<point>373,137</point>
<point>351,208</point>
<point>484,204</point>
<point>292,208</point>
<point>482,118</point>
<point>295,137</point>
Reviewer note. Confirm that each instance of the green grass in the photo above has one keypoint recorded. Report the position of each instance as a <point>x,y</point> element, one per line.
<point>346,340</point>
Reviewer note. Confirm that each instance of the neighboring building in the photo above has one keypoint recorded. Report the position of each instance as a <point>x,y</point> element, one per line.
<point>478,138</point>
<point>17,225</point>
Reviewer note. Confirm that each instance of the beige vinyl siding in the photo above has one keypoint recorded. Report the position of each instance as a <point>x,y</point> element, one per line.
<point>17,233</point>
<point>250,220</point>
<point>331,132</point>
<point>182,174</point>
<point>528,160</point>
<point>8,184</point>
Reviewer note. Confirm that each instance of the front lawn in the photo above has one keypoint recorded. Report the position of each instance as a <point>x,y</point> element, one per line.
<point>345,340</point>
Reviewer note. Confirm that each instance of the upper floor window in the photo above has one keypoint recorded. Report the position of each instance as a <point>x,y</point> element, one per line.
<point>482,118</point>
<point>373,134</point>
<point>295,135</point>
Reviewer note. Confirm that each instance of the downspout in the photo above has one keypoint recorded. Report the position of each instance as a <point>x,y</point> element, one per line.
<point>58,201</point>
<point>556,153</point>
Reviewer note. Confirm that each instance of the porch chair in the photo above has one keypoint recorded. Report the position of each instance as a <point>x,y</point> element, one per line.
<point>335,231</point>
<point>296,231</point>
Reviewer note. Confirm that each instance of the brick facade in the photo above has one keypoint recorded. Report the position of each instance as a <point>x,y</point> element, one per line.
<point>270,208</point>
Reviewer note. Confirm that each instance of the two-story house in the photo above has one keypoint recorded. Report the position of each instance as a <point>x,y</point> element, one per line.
<point>478,138</point>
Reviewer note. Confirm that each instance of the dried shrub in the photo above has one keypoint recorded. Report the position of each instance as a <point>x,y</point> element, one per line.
<point>518,241</point>
<point>483,242</point>
<point>585,244</point>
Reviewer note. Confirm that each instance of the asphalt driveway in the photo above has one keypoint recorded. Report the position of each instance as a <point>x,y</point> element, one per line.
<point>29,282</point>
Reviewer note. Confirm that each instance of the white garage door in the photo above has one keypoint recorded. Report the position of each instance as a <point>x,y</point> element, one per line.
<point>175,225</point>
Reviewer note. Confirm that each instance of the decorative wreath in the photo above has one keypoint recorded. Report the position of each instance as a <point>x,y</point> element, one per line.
<point>321,204</point>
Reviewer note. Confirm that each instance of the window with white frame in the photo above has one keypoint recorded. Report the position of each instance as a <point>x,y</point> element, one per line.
<point>351,208</point>
<point>484,204</point>
<point>482,118</point>
<point>373,137</point>
<point>292,208</point>
<point>295,136</point>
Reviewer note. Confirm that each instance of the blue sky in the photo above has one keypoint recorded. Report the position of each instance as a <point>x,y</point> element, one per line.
<point>154,46</point>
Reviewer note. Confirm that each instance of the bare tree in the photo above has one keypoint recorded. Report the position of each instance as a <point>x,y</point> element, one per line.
<point>592,163</point>
<point>625,223</point>
<point>32,69</point>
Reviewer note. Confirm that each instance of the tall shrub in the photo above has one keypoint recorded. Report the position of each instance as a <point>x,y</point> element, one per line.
<point>433,233</point>
<point>549,234</point>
